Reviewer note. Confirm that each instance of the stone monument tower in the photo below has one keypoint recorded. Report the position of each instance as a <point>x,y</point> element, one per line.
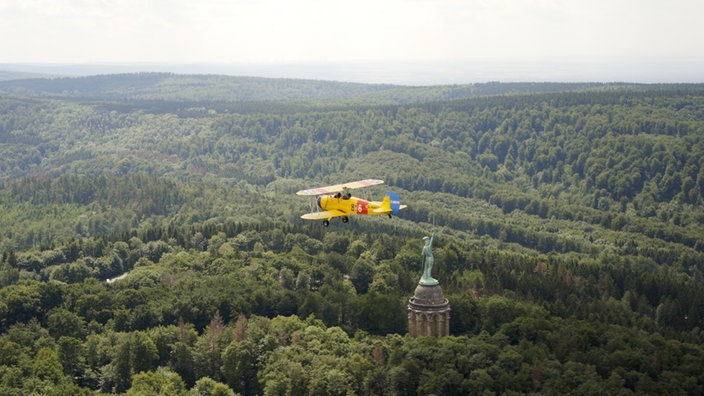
<point>428,309</point>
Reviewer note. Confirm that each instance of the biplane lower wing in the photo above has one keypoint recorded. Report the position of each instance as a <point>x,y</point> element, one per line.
<point>328,214</point>
<point>340,187</point>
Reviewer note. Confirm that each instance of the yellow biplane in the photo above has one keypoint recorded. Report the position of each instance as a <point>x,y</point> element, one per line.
<point>337,201</point>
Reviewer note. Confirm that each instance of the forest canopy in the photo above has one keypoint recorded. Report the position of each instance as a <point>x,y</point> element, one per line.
<point>151,239</point>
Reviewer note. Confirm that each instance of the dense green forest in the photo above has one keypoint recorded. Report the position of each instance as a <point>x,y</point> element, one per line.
<point>151,240</point>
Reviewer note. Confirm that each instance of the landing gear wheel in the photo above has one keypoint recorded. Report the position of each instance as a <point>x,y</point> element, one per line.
<point>345,219</point>
<point>326,223</point>
<point>390,215</point>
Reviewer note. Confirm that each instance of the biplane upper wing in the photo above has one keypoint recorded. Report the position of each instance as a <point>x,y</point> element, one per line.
<point>328,214</point>
<point>340,187</point>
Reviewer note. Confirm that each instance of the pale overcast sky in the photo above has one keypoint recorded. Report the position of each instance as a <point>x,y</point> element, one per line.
<point>656,40</point>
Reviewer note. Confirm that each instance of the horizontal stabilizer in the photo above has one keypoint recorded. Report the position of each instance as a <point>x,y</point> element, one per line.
<point>387,210</point>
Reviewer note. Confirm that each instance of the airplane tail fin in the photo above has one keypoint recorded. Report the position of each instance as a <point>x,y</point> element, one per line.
<point>392,201</point>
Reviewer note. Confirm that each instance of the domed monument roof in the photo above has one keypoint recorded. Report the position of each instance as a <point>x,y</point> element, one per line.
<point>430,296</point>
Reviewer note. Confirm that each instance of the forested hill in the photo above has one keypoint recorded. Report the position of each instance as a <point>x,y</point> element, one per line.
<point>16,75</point>
<point>570,237</point>
<point>219,88</point>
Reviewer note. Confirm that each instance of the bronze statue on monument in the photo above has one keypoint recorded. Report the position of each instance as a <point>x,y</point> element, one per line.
<point>428,261</point>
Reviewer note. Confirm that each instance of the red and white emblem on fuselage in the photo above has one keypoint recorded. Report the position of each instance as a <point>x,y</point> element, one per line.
<point>362,206</point>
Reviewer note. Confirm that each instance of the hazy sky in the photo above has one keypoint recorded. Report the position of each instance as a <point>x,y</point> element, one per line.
<point>517,39</point>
